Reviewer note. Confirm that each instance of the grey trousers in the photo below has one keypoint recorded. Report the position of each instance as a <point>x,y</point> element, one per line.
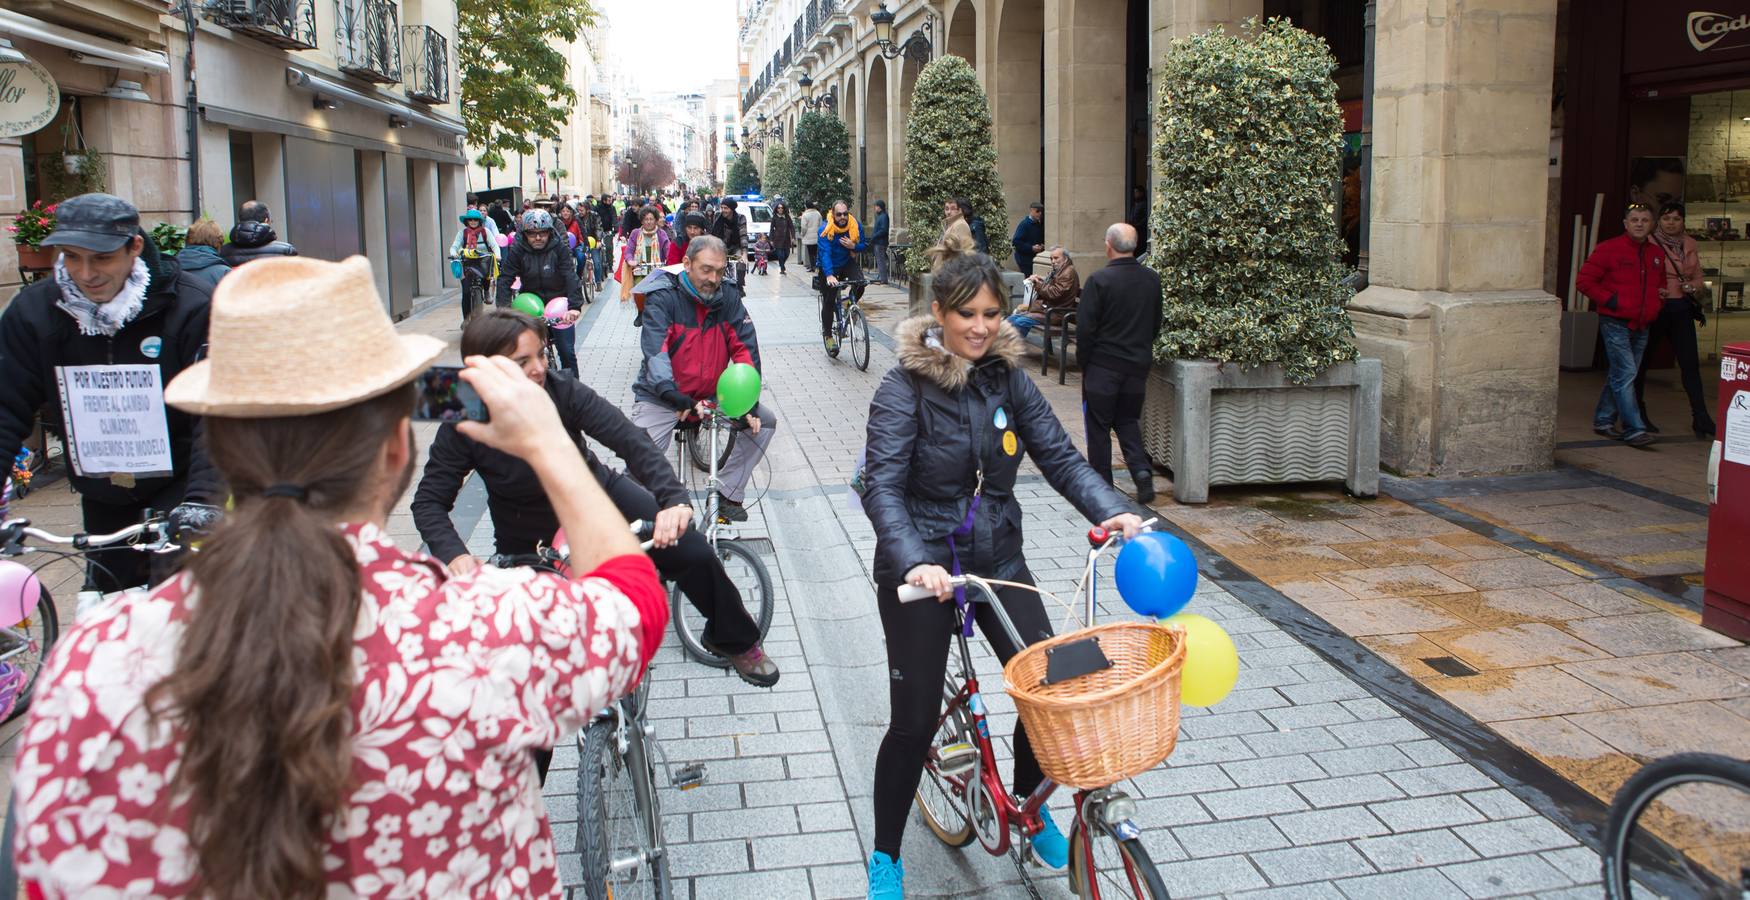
<point>658,421</point>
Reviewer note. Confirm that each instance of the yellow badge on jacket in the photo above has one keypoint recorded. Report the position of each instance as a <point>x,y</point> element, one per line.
<point>1009,444</point>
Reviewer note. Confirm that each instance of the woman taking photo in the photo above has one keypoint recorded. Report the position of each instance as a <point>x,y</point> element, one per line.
<point>1681,310</point>
<point>783,234</point>
<point>947,429</point>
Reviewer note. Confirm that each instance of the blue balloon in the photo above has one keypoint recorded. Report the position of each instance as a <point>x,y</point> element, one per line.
<point>456,268</point>
<point>1156,574</point>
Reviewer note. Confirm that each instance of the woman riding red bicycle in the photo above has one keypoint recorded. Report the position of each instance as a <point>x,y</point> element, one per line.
<point>947,428</point>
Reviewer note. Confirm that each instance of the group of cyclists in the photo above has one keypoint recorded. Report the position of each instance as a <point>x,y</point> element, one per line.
<point>305,707</point>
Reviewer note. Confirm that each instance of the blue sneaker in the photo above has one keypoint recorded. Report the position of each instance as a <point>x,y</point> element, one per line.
<point>886,877</point>
<point>1050,844</point>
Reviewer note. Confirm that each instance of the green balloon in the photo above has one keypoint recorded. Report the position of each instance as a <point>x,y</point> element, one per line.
<point>526,302</point>
<point>738,389</point>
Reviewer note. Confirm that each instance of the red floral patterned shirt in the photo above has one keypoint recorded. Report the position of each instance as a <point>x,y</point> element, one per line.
<point>457,679</point>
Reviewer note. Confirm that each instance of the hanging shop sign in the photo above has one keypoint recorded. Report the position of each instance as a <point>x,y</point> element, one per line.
<point>29,98</point>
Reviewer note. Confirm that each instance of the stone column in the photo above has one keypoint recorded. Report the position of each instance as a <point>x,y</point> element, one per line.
<point>1169,19</point>
<point>1456,310</point>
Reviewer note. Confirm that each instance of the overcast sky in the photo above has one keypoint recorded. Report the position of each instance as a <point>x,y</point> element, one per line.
<point>671,45</point>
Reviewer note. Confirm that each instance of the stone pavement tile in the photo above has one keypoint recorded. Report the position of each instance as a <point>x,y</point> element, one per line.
<point>1395,581</point>
<point>1599,598</point>
<point>1289,562</point>
<point>1323,691</point>
<point>1494,574</point>
<point>1365,788</point>
<point>1277,770</point>
<point>806,849</point>
<point>1509,836</point>
<point>1652,632</point>
<point>1248,802</point>
<point>1572,752</point>
<point>1200,877</point>
<point>1308,591</point>
<point>1660,678</point>
<point>1428,752</point>
<point>1475,546</point>
<point>1415,849</point>
<point>1513,606</point>
<point>1362,760</point>
<point>1503,877</point>
<point>1181,778</point>
<point>715,859</point>
<point>1280,532</point>
<point>735,824</point>
<point>1289,718</point>
<point>1420,813</point>
<point>1735,658</point>
<point>1514,646</point>
<point>1422,782</point>
<point>1293,892</point>
<point>1227,838</point>
<point>1739,706</point>
<point>1421,884</point>
<point>1321,826</point>
<point>1654,731</point>
<point>1321,862</point>
<point>1283,743</point>
<point>1224,724</point>
<point>1369,709</point>
<point>793,883</point>
<point>1406,651</point>
<point>1410,552</point>
<point>838,882</point>
<point>1497,803</point>
<point>1387,615</point>
<point>1523,694</point>
<point>1170,812</point>
<point>1401,732</point>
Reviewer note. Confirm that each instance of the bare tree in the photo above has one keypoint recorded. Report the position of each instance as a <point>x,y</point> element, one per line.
<point>643,165</point>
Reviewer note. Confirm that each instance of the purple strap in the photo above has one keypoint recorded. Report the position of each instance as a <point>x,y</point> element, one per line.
<point>963,532</point>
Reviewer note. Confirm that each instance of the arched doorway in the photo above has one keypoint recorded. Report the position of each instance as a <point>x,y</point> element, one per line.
<point>877,180</point>
<point>1018,103</point>
<point>962,35</point>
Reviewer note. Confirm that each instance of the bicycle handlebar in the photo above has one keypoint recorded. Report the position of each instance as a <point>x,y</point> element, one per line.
<point>13,532</point>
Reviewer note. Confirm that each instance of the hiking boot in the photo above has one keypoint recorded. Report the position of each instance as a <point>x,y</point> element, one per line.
<point>886,877</point>
<point>753,665</point>
<point>1639,439</point>
<point>1145,490</point>
<point>729,512</point>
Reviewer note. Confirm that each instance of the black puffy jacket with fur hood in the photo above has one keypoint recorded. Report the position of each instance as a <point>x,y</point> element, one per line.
<point>940,429</point>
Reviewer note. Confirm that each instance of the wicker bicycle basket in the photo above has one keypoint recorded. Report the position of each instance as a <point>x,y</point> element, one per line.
<point>1101,728</point>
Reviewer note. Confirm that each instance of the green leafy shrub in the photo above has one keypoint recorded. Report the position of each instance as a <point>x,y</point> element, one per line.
<point>822,155</point>
<point>170,238</point>
<point>949,152</point>
<point>780,172</point>
<point>1246,160</point>
<point>743,177</point>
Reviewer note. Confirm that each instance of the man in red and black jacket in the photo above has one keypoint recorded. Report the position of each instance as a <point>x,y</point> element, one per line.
<point>694,326</point>
<point>1623,277</point>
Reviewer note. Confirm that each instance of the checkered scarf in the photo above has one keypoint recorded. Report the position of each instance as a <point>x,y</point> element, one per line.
<point>103,319</point>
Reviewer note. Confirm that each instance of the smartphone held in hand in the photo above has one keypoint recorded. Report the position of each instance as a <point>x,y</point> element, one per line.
<point>445,397</point>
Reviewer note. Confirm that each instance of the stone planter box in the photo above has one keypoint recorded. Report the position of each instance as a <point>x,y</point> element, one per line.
<point>1213,424</point>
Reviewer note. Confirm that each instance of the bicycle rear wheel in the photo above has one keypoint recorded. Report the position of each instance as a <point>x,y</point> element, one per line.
<point>748,572</point>
<point>1644,788</point>
<point>616,805</point>
<point>857,332</point>
<point>1112,868</point>
<point>27,644</point>
<point>699,445</point>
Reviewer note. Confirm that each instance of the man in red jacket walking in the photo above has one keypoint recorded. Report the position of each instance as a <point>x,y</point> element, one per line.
<point>1623,277</point>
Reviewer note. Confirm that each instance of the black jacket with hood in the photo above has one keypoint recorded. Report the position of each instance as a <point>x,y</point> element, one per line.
<point>521,513</point>
<point>170,331</point>
<point>549,272</point>
<point>253,240</point>
<point>937,422</point>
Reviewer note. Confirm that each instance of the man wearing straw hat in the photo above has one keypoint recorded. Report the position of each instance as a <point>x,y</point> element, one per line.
<point>116,311</point>
<point>306,656</point>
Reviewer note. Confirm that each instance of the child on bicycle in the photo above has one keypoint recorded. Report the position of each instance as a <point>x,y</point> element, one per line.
<point>762,250</point>
<point>947,428</point>
<point>478,261</point>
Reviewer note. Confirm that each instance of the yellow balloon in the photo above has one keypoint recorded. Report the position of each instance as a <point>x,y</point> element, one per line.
<point>1212,665</point>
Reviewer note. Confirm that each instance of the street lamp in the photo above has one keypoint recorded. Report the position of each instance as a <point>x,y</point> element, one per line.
<point>920,46</point>
<point>825,101</point>
<point>558,166</point>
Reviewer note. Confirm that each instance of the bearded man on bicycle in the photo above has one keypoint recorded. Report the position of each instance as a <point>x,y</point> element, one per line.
<point>522,516</point>
<point>838,243</point>
<point>694,326</point>
<point>540,258</point>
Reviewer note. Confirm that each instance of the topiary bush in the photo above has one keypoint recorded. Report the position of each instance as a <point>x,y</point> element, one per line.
<point>1246,159</point>
<point>743,177</point>
<point>822,155</point>
<point>949,152</point>
<point>780,173</point>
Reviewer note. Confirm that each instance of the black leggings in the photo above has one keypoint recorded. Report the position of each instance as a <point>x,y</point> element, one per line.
<point>919,641</point>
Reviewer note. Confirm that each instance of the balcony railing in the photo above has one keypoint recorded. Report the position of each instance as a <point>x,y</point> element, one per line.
<point>427,70</point>
<point>367,39</point>
<point>290,24</point>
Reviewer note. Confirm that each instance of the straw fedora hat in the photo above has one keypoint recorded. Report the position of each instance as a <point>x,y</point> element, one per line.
<point>295,336</point>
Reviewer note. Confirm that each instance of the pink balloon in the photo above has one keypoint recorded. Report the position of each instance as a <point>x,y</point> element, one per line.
<point>19,593</point>
<point>556,310</point>
<point>504,240</point>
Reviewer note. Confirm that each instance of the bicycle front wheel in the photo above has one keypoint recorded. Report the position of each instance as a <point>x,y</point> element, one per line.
<point>1112,867</point>
<point>25,646</point>
<point>1652,784</point>
<point>616,808</point>
<point>857,333</point>
<point>699,445</point>
<point>748,572</point>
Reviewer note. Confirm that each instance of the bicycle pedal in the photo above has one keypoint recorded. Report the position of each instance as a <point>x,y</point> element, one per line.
<point>690,776</point>
<point>956,759</point>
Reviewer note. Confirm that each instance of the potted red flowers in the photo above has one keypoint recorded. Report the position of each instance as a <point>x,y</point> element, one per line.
<point>29,228</point>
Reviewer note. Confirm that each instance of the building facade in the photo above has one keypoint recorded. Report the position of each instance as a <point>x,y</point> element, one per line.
<point>341,115</point>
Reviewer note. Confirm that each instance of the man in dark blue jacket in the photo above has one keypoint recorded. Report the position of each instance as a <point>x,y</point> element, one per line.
<point>1029,238</point>
<point>839,242</point>
<point>878,240</point>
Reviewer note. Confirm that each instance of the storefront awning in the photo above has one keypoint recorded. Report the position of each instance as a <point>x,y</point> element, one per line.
<point>100,51</point>
<point>334,90</point>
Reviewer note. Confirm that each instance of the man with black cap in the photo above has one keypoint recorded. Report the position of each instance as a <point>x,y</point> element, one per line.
<point>116,311</point>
